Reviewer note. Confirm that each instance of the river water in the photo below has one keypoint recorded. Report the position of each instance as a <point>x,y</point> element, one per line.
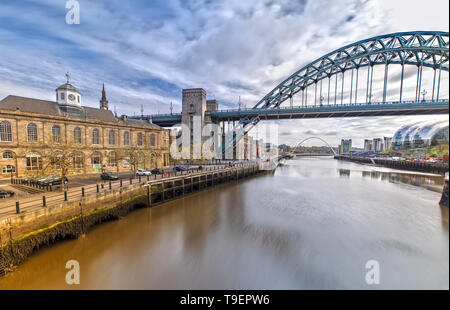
<point>313,224</point>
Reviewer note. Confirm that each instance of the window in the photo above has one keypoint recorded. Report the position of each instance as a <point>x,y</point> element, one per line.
<point>78,161</point>
<point>126,162</point>
<point>152,140</point>
<point>34,161</point>
<point>8,169</point>
<point>112,159</point>
<point>141,161</point>
<point>62,96</point>
<point>5,132</point>
<point>95,136</point>
<point>126,138</point>
<point>56,159</point>
<point>77,135</point>
<point>96,159</point>
<point>7,155</point>
<point>56,133</point>
<point>153,161</point>
<point>112,137</point>
<point>32,133</point>
<point>139,139</point>
<point>78,99</point>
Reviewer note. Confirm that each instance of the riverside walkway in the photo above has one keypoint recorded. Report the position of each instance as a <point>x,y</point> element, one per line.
<point>165,188</point>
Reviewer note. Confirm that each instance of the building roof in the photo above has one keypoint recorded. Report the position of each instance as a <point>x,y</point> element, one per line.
<point>68,86</point>
<point>30,105</point>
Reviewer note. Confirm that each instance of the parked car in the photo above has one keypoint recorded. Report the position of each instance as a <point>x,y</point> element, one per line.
<point>109,176</point>
<point>157,171</point>
<point>6,194</point>
<point>143,172</point>
<point>180,168</point>
<point>56,180</point>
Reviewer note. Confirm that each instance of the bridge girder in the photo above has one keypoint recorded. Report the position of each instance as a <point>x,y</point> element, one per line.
<point>426,48</point>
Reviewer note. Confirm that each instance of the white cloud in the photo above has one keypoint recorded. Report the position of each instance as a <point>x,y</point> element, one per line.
<point>146,55</point>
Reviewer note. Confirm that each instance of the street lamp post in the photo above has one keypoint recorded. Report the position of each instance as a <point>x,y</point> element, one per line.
<point>424,92</point>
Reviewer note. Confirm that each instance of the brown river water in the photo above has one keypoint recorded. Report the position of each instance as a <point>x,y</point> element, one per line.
<point>313,224</point>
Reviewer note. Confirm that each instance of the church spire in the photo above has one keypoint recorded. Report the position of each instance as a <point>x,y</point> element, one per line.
<point>103,101</point>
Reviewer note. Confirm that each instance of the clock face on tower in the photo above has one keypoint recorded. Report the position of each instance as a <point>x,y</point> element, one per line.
<point>71,97</point>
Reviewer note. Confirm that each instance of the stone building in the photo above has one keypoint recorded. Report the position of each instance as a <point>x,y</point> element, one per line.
<point>26,123</point>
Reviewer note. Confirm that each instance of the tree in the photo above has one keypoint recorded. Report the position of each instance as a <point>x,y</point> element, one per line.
<point>63,158</point>
<point>132,156</point>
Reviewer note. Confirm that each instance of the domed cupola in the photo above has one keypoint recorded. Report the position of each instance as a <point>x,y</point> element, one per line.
<point>68,95</point>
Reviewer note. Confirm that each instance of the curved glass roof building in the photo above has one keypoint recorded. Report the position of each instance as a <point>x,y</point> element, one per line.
<point>420,135</point>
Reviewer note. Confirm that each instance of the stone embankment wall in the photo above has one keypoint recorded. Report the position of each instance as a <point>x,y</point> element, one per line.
<point>25,233</point>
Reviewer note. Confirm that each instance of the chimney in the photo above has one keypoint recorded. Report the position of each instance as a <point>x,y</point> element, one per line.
<point>123,117</point>
<point>150,120</point>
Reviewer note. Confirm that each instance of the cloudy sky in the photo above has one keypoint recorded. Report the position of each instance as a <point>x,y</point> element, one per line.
<point>146,52</point>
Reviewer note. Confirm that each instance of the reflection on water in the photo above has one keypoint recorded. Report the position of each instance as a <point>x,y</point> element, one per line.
<point>430,181</point>
<point>313,224</point>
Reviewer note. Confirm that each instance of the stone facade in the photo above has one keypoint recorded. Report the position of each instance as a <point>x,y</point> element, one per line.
<point>150,141</point>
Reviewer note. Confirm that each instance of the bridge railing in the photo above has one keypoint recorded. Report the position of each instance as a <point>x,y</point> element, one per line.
<point>441,101</point>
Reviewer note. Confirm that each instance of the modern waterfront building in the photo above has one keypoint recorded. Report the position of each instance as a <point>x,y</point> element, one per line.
<point>30,128</point>
<point>346,146</point>
<point>387,143</point>
<point>377,145</point>
<point>367,145</point>
<point>420,135</point>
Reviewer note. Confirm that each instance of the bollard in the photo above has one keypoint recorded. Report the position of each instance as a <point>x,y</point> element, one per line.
<point>17,207</point>
<point>65,195</point>
<point>148,177</point>
<point>43,202</point>
<point>148,195</point>
<point>98,188</point>
<point>82,192</point>
<point>51,188</point>
<point>139,179</point>
<point>131,180</point>
<point>110,183</point>
<point>120,183</point>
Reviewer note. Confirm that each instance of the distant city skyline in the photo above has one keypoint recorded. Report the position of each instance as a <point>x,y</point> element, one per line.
<point>233,49</point>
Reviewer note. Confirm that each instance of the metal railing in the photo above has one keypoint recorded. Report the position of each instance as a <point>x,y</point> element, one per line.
<point>54,198</point>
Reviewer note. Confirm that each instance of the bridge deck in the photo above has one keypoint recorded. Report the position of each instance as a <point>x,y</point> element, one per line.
<point>324,111</point>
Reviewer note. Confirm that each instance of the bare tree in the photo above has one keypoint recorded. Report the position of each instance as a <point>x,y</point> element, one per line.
<point>64,158</point>
<point>132,156</point>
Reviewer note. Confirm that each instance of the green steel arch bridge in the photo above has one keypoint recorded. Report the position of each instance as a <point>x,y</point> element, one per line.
<point>319,86</point>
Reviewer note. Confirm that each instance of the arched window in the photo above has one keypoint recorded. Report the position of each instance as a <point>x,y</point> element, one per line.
<point>56,133</point>
<point>5,132</point>
<point>34,161</point>
<point>78,160</point>
<point>77,135</point>
<point>112,137</point>
<point>126,138</point>
<point>32,132</point>
<point>56,158</point>
<point>95,136</point>
<point>141,161</point>
<point>153,161</point>
<point>96,159</point>
<point>139,139</point>
<point>8,155</point>
<point>8,169</point>
<point>112,159</point>
<point>152,139</point>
